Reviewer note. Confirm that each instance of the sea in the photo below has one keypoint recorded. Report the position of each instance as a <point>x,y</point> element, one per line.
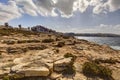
<point>113,42</point>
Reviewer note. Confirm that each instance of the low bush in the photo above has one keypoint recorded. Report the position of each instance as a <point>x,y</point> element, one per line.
<point>28,41</point>
<point>110,61</point>
<point>9,42</point>
<point>92,69</point>
<point>37,47</point>
<point>48,40</point>
<point>21,41</point>
<point>66,37</point>
<point>67,55</point>
<point>69,70</point>
<point>33,41</point>
<point>60,44</point>
<point>13,77</point>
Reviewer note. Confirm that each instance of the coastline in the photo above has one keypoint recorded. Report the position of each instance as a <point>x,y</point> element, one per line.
<point>50,56</point>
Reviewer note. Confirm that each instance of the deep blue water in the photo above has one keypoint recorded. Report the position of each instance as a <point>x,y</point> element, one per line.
<point>114,42</point>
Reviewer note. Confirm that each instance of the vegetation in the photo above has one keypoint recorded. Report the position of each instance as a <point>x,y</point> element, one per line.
<point>70,68</point>
<point>67,55</point>
<point>38,47</point>
<point>9,42</point>
<point>66,37</point>
<point>28,41</point>
<point>13,77</point>
<point>11,31</point>
<point>60,44</point>
<point>47,40</point>
<point>92,69</point>
<point>110,61</point>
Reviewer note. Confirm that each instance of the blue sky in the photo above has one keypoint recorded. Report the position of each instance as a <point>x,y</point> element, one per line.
<point>82,16</point>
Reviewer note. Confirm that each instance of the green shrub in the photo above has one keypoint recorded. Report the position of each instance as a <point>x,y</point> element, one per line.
<point>21,41</point>
<point>13,77</point>
<point>110,61</point>
<point>27,41</point>
<point>32,41</point>
<point>67,55</point>
<point>48,40</point>
<point>66,37</point>
<point>93,69</point>
<point>69,70</point>
<point>37,47</point>
<point>60,44</point>
<point>8,42</point>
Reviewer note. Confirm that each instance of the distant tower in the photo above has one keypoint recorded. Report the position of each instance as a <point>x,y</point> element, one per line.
<point>6,25</point>
<point>20,26</point>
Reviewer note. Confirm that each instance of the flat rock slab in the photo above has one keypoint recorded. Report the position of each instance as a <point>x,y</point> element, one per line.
<point>38,71</point>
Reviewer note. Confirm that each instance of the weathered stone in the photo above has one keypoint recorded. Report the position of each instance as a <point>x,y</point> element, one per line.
<point>60,65</point>
<point>18,60</point>
<point>35,71</point>
<point>79,76</point>
<point>116,74</point>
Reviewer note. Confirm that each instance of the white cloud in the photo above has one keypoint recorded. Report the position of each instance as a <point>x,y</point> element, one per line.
<point>83,5</point>
<point>113,5</point>
<point>9,11</point>
<point>66,8</point>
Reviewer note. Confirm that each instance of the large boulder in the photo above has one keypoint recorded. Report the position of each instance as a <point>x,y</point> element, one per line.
<point>62,64</point>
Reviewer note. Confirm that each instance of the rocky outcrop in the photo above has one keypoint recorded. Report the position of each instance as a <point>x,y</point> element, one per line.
<point>62,64</point>
<point>35,71</point>
<point>54,57</point>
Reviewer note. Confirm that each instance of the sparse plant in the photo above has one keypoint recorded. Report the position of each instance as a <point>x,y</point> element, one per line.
<point>48,40</point>
<point>92,69</point>
<point>13,77</point>
<point>67,55</point>
<point>70,68</point>
<point>60,44</point>
<point>39,47</point>
<point>21,41</point>
<point>110,61</point>
<point>9,42</point>
<point>66,37</point>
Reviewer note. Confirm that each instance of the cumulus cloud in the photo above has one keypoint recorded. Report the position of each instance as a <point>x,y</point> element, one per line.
<point>9,11</point>
<point>27,6</point>
<point>113,5</point>
<point>65,8</point>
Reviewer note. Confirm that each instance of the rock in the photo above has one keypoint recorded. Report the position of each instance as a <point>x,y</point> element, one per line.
<point>36,71</point>
<point>79,76</point>
<point>18,67</point>
<point>61,65</point>
<point>116,74</point>
<point>55,76</point>
<point>78,66</point>
<point>18,60</point>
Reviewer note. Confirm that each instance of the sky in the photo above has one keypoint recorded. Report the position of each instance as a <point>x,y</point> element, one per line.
<point>79,16</point>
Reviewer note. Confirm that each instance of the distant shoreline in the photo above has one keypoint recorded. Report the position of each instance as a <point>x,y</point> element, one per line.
<point>92,34</point>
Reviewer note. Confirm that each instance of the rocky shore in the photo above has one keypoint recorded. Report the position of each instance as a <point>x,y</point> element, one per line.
<point>42,56</point>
